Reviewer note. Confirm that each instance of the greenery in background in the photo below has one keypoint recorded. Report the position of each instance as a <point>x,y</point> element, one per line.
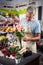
<point>15,11</point>
<point>10,11</point>
<point>22,11</point>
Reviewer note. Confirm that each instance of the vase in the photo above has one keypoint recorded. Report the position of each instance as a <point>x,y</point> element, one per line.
<point>17,60</point>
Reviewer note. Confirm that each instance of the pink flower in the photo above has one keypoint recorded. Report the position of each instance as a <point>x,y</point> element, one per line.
<point>19,28</point>
<point>14,28</point>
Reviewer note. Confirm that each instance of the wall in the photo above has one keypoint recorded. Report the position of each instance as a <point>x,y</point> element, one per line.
<point>42,12</point>
<point>39,3</point>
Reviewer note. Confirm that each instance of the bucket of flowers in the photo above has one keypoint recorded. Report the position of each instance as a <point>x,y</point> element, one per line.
<point>14,52</point>
<point>10,51</point>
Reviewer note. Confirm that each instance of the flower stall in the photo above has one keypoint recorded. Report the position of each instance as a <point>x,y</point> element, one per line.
<point>11,36</point>
<point>12,41</point>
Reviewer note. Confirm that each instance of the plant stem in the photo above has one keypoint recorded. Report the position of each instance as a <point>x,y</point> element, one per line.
<point>20,42</point>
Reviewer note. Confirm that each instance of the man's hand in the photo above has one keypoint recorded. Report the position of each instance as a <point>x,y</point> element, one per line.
<point>26,38</point>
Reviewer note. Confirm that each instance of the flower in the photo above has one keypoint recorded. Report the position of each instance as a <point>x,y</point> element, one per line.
<point>19,28</point>
<point>19,33</point>
<point>14,27</point>
<point>6,52</point>
<point>14,54</point>
<point>11,51</point>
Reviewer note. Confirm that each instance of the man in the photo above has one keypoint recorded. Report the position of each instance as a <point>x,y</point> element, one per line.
<point>34,25</point>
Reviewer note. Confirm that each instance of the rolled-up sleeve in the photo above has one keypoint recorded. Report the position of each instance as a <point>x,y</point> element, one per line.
<point>37,28</point>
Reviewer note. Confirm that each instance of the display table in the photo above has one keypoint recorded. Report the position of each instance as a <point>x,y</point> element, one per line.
<point>30,60</point>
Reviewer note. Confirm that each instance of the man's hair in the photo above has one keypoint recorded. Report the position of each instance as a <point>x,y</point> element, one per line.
<point>30,9</point>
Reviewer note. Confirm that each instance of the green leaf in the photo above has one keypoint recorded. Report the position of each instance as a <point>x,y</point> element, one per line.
<point>12,49</point>
<point>18,56</point>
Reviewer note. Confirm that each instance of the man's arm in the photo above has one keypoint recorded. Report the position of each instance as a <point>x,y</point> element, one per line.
<point>26,38</point>
<point>35,38</point>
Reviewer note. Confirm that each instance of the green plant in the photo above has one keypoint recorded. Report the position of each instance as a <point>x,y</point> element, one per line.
<point>18,56</point>
<point>12,49</point>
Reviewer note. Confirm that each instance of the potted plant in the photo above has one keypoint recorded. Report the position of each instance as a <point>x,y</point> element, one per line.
<point>18,58</point>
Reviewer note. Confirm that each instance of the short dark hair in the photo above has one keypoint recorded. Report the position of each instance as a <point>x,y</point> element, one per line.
<point>30,9</point>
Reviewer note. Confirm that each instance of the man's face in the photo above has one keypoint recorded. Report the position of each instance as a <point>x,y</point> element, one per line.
<point>29,16</point>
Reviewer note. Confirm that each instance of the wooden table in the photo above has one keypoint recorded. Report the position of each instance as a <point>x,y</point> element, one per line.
<point>30,60</point>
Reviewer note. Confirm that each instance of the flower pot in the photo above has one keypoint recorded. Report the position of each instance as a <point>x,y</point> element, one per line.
<point>17,60</point>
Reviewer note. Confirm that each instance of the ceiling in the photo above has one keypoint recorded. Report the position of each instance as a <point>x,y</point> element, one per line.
<point>14,3</point>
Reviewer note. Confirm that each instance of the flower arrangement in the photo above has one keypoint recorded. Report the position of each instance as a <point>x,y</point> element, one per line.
<point>10,51</point>
<point>14,50</point>
<point>19,32</point>
<point>3,42</point>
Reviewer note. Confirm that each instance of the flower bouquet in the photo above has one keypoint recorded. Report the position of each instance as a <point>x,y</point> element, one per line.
<point>13,53</point>
<point>10,51</point>
<point>19,33</point>
<point>3,42</point>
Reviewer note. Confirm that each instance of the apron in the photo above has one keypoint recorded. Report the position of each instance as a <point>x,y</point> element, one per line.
<point>31,45</point>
